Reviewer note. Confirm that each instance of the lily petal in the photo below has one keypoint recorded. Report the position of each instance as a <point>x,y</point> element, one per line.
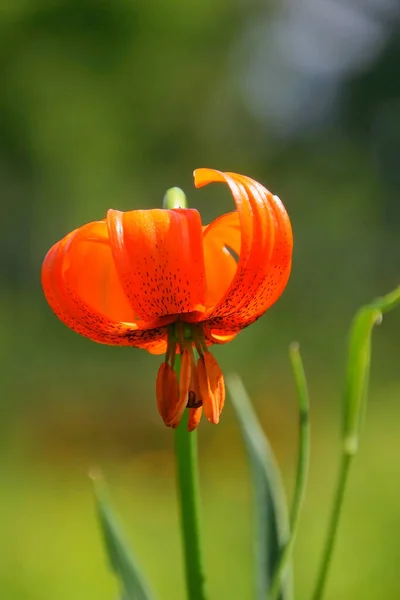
<point>80,306</point>
<point>92,274</point>
<point>265,256</point>
<point>159,259</point>
<point>272,285</point>
<point>275,275</point>
<point>220,238</point>
<point>256,221</point>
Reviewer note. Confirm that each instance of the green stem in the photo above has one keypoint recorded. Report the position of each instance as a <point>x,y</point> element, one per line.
<point>189,498</point>
<point>302,468</point>
<point>333,525</point>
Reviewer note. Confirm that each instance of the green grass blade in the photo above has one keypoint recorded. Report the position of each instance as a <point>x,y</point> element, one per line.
<point>272,522</point>
<point>122,562</point>
<point>358,366</point>
<point>354,404</point>
<point>388,302</point>
<point>302,466</point>
<point>357,374</point>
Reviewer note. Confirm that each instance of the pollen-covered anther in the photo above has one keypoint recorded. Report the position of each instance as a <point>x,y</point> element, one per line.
<point>212,386</point>
<point>187,366</point>
<point>167,391</point>
<point>194,400</point>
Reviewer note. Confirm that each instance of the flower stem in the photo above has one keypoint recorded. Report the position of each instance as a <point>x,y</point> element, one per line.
<point>189,498</point>
<point>333,524</point>
<point>302,467</point>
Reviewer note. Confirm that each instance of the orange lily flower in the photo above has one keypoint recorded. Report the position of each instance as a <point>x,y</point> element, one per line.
<point>157,279</point>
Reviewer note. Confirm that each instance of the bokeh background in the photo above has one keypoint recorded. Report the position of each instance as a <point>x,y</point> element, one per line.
<point>108,104</point>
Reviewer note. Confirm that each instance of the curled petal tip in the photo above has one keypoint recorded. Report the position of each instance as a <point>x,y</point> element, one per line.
<point>204,176</point>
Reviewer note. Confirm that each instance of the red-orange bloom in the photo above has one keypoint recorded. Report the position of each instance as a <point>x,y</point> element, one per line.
<point>159,280</point>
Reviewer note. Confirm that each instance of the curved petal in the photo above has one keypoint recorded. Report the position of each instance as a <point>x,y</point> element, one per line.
<point>158,255</point>
<point>221,236</point>
<point>273,274</point>
<point>83,307</point>
<point>257,242</point>
<point>92,274</point>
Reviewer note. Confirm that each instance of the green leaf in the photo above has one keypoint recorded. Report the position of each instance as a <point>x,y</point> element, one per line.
<point>354,404</point>
<point>357,375</point>
<point>358,366</point>
<point>272,522</point>
<point>122,562</point>
<point>302,466</point>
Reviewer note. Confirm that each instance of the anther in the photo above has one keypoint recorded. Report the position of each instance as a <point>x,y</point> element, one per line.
<point>192,402</point>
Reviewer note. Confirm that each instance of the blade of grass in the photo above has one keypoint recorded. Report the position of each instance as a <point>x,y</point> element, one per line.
<point>122,562</point>
<point>357,375</point>
<point>388,302</point>
<point>272,522</point>
<point>302,466</point>
<point>354,403</point>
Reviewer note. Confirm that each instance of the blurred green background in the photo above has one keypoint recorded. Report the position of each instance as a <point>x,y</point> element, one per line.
<point>107,104</point>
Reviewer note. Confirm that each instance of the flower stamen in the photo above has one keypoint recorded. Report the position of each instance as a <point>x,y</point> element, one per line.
<point>193,400</point>
<point>212,386</point>
<point>200,386</point>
